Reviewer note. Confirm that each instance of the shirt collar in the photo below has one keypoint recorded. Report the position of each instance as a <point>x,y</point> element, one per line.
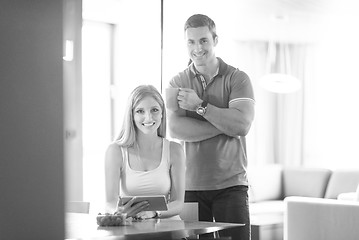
<point>220,71</point>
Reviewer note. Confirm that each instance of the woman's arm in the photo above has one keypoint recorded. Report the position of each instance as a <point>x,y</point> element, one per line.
<point>113,164</point>
<point>177,171</point>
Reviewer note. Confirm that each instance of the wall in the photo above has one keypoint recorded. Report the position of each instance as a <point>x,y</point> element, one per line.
<point>31,120</point>
<point>73,102</point>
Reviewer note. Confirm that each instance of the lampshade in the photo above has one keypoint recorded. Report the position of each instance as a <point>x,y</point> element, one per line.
<point>280,83</point>
<point>279,78</point>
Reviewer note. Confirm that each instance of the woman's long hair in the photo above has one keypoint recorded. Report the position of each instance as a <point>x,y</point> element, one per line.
<point>127,136</point>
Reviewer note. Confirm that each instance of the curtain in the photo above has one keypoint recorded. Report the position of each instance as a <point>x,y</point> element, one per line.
<point>331,117</point>
<point>316,126</point>
<point>276,135</point>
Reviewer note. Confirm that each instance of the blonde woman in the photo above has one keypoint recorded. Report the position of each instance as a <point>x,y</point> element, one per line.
<point>142,161</point>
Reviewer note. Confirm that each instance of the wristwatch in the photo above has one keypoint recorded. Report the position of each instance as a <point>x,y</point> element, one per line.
<point>158,214</point>
<point>201,109</point>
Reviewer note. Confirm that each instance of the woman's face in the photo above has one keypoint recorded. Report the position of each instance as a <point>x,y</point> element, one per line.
<point>147,115</point>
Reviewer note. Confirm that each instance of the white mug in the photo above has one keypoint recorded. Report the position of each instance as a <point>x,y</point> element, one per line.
<point>171,98</point>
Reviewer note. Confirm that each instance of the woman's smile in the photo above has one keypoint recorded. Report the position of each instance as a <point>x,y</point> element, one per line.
<point>149,124</point>
<point>147,115</point>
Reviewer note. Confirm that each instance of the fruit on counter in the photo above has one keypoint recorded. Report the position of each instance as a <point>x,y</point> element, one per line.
<point>109,219</point>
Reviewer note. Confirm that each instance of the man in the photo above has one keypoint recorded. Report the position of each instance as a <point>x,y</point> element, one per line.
<point>216,111</point>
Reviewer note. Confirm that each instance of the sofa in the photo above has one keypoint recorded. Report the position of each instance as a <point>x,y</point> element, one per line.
<point>321,219</point>
<point>271,184</point>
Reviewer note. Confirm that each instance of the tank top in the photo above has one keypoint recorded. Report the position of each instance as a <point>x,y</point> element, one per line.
<point>153,182</point>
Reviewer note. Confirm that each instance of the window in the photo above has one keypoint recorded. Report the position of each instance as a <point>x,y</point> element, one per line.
<point>119,52</point>
<point>123,48</point>
<point>96,104</point>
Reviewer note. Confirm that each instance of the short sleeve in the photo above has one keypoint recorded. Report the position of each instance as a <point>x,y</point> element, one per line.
<point>176,81</point>
<point>241,88</point>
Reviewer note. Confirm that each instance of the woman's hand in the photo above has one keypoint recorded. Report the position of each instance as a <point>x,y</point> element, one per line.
<point>132,210</point>
<point>146,215</point>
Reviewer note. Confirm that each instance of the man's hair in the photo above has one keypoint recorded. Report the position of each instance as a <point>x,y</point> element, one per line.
<point>200,20</point>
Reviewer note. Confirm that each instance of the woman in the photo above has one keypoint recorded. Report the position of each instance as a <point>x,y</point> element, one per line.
<point>142,161</point>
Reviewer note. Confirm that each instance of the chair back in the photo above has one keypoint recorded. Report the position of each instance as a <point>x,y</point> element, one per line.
<point>189,211</point>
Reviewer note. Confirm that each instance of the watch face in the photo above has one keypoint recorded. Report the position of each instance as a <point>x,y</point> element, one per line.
<point>201,111</point>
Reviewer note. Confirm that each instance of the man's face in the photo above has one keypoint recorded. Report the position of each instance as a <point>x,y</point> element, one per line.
<point>200,45</point>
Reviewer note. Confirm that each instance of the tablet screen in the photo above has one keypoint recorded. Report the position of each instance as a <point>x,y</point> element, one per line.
<point>157,202</point>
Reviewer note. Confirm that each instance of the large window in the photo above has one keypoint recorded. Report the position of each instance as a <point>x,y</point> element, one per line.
<point>96,104</point>
<point>123,48</point>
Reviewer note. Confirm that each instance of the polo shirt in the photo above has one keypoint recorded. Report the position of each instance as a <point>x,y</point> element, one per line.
<point>221,161</point>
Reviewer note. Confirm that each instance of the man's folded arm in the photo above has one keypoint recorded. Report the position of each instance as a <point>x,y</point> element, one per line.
<point>190,129</point>
<point>233,121</point>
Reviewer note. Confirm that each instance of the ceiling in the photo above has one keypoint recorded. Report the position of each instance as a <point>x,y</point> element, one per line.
<point>290,20</point>
<point>284,20</point>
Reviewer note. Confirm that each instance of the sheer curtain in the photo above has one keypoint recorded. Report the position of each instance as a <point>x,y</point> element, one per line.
<point>331,117</point>
<point>316,126</point>
<point>277,132</point>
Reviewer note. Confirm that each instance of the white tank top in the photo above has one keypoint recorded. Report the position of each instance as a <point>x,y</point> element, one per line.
<point>152,182</point>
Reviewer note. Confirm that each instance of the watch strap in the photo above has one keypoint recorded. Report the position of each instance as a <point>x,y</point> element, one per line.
<point>204,104</point>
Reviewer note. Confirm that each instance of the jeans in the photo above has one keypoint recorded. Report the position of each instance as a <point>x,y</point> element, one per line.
<point>224,205</point>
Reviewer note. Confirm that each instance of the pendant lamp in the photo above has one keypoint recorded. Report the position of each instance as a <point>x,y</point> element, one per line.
<point>278,78</point>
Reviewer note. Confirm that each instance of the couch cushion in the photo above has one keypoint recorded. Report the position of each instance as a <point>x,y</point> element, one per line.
<point>318,218</point>
<point>265,182</point>
<point>350,196</point>
<point>305,182</point>
<point>342,181</point>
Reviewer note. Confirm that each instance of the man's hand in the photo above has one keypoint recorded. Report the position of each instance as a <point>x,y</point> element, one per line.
<point>188,99</point>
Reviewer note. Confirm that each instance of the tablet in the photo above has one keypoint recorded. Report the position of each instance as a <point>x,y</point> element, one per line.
<point>157,202</point>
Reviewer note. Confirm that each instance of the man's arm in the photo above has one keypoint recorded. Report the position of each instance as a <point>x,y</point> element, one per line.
<point>233,121</point>
<point>189,129</point>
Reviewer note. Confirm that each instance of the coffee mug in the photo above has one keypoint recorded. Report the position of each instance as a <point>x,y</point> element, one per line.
<point>171,98</point>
